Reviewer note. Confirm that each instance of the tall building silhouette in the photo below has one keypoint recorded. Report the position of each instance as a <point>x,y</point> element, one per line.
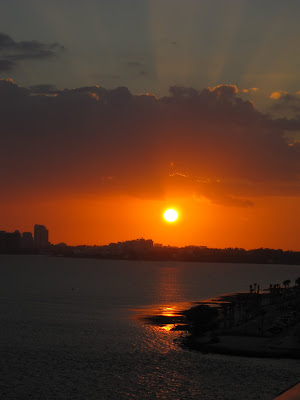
<point>41,236</point>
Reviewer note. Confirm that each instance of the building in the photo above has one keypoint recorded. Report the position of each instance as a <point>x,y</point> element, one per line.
<point>41,237</point>
<point>27,240</point>
<point>10,241</point>
<point>2,240</point>
<point>131,247</point>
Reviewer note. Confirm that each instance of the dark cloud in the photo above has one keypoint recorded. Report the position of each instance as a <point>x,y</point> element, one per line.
<point>287,103</point>
<point>209,143</point>
<point>43,89</point>
<point>6,65</point>
<point>12,52</point>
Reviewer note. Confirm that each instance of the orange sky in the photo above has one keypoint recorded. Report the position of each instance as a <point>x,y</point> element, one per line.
<point>273,222</point>
<point>98,166</point>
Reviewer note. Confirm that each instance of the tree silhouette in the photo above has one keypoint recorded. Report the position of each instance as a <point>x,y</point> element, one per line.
<point>286,283</point>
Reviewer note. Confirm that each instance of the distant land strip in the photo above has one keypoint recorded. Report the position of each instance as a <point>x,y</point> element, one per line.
<point>145,249</point>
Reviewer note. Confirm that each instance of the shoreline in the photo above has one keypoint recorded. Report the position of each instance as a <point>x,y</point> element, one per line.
<point>240,324</point>
<point>156,258</point>
<point>259,335</point>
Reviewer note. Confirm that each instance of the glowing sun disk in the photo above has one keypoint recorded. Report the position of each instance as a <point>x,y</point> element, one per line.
<point>170,215</point>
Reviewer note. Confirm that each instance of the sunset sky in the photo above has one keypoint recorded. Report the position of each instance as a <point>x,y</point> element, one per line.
<point>112,112</point>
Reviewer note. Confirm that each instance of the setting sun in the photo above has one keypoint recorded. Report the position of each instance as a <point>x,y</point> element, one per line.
<point>170,215</point>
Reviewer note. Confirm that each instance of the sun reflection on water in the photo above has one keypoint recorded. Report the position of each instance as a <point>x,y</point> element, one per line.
<point>169,302</point>
<point>167,327</point>
<point>169,285</point>
<point>170,311</point>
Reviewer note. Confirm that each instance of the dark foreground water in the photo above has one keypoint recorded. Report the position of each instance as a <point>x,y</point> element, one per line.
<point>68,331</point>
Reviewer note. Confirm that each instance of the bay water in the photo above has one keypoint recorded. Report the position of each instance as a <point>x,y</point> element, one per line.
<point>70,329</point>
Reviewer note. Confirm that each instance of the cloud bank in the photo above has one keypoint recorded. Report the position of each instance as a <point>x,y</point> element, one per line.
<point>209,143</point>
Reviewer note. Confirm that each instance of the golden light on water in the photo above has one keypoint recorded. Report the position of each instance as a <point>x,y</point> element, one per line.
<point>169,311</point>
<point>168,327</point>
<point>170,215</point>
